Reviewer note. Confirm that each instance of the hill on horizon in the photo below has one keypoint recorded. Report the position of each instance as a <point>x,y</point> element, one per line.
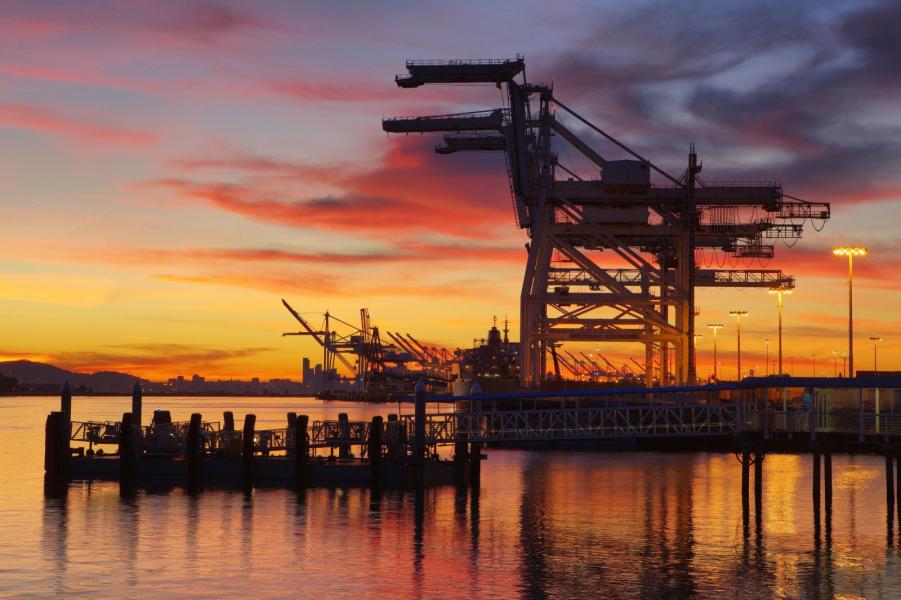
<point>37,373</point>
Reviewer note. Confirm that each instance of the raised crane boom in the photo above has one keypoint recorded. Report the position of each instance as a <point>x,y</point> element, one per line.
<point>579,222</point>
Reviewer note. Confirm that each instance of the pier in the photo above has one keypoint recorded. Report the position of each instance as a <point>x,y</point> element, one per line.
<point>818,417</point>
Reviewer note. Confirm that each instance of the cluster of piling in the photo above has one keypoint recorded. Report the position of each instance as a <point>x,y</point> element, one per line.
<point>385,459</point>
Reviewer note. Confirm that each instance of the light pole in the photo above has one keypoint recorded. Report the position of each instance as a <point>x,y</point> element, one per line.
<point>766,371</point>
<point>814,357</point>
<point>835,354</point>
<point>844,363</point>
<point>715,327</point>
<point>875,341</point>
<point>738,314</point>
<point>850,252</point>
<point>779,292</point>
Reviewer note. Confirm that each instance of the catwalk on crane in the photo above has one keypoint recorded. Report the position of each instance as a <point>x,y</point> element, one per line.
<point>571,290</point>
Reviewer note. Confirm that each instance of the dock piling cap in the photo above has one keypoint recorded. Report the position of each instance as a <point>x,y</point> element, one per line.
<point>420,386</point>
<point>66,388</point>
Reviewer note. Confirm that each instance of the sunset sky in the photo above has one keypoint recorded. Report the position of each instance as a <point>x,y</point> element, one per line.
<point>170,170</point>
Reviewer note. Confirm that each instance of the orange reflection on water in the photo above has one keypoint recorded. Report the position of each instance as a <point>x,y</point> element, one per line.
<point>552,524</point>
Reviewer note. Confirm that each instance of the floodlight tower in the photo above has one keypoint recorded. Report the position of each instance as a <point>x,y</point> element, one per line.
<point>779,292</point>
<point>739,314</point>
<point>875,341</point>
<point>715,327</point>
<point>850,252</point>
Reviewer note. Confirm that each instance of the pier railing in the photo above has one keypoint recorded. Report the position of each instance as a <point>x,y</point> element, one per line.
<point>573,423</point>
<point>769,406</point>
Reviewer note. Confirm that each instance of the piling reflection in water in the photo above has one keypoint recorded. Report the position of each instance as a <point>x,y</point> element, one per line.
<point>558,525</point>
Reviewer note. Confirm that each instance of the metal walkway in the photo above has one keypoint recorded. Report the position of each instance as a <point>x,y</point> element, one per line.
<point>758,406</point>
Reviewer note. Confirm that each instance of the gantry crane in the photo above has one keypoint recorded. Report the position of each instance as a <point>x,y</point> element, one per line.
<point>571,291</point>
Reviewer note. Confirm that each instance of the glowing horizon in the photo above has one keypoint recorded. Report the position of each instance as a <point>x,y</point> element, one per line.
<point>173,170</point>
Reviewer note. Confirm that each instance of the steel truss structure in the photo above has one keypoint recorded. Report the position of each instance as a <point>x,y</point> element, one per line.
<point>618,217</point>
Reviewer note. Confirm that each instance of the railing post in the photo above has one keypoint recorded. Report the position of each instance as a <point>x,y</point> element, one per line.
<point>65,400</point>
<point>861,438</point>
<point>766,413</point>
<point>419,424</point>
<point>813,424</point>
<point>301,450</point>
<point>247,450</point>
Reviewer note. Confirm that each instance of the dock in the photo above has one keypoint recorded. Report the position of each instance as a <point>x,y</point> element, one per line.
<point>819,417</point>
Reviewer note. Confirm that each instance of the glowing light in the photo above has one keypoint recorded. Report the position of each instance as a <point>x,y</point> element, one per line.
<point>849,251</point>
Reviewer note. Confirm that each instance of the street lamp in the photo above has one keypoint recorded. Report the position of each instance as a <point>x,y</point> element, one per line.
<point>850,252</point>
<point>875,340</point>
<point>844,363</point>
<point>835,354</point>
<point>738,314</point>
<point>715,327</point>
<point>814,357</point>
<point>766,371</point>
<point>779,292</point>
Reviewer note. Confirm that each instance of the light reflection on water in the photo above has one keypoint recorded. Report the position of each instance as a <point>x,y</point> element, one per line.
<point>544,525</point>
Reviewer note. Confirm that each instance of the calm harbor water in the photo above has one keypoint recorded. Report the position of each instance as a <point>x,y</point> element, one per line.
<point>544,525</point>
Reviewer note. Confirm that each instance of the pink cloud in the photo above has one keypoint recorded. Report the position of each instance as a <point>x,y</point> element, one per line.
<point>48,121</point>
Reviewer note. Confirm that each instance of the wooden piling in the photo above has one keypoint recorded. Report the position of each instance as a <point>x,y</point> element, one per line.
<point>758,484</point>
<point>192,450</point>
<point>816,482</point>
<point>827,481</point>
<point>126,455</point>
<point>745,483</point>
<point>228,418</point>
<point>461,456</point>
<point>419,424</point>
<point>56,455</point>
<point>292,427</point>
<point>890,487</point>
<point>301,452</point>
<point>392,430</point>
<point>137,395</point>
<point>52,454</point>
<point>375,451</point>
<point>475,463</point>
<point>898,490</point>
<point>343,436</point>
<point>247,450</point>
